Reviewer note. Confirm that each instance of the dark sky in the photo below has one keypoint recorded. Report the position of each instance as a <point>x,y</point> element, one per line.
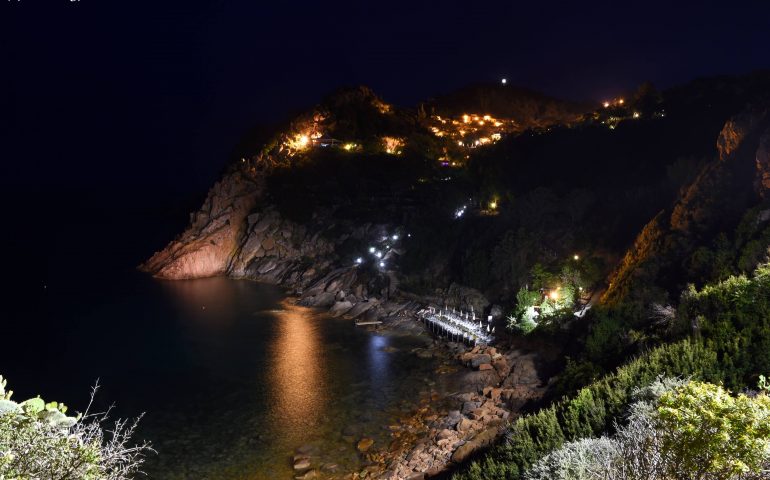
<point>151,96</point>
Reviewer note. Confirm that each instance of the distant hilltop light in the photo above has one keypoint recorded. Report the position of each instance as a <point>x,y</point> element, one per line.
<point>504,81</point>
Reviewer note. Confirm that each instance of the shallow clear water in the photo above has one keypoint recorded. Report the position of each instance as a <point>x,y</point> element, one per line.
<point>232,378</point>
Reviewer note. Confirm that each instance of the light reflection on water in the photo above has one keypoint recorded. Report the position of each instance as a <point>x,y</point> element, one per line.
<point>297,374</point>
<point>232,378</point>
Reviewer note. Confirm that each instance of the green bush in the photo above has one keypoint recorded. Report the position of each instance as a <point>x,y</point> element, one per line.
<point>38,440</point>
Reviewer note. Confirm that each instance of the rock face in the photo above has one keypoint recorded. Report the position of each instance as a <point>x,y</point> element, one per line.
<point>208,244</point>
<point>714,202</point>
<point>763,165</point>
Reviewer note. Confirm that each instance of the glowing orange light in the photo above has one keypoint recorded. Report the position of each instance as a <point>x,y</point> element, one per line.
<point>606,104</point>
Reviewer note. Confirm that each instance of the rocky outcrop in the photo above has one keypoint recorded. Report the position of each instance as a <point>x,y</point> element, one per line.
<point>763,165</point>
<point>482,411</point>
<point>209,243</point>
<point>713,202</point>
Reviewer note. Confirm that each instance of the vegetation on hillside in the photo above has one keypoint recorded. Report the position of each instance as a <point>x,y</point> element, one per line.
<point>725,331</point>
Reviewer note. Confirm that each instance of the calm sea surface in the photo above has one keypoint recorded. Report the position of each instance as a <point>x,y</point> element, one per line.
<point>231,377</point>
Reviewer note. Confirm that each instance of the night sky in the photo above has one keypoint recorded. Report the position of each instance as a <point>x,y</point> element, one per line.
<point>149,98</point>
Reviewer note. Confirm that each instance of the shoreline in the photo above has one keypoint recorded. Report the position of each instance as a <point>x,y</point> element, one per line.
<point>486,388</point>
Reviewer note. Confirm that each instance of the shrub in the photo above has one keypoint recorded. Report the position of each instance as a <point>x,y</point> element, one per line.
<point>676,430</point>
<point>38,440</point>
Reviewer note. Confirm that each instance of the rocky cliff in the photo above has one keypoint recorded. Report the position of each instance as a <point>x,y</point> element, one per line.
<point>735,181</point>
<point>242,230</point>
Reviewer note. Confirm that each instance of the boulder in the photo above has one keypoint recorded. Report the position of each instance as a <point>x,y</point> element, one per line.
<point>464,425</point>
<point>364,444</point>
<point>470,406</point>
<point>485,366</point>
<point>477,360</point>
<point>340,308</point>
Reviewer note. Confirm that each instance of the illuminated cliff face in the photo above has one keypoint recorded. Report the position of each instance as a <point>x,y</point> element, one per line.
<point>206,247</point>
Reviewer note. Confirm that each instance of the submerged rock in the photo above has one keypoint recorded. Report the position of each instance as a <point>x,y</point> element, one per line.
<point>364,444</point>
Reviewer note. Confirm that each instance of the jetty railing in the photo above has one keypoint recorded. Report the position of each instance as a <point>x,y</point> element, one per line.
<point>457,326</point>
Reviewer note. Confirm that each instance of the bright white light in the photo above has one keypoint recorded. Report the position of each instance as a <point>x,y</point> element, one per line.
<point>382,264</point>
<point>359,260</point>
<point>395,237</point>
<point>371,249</point>
<point>576,257</point>
<point>409,235</point>
<point>378,254</point>
<point>504,81</point>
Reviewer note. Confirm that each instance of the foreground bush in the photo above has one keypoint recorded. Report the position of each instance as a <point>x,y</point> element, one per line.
<point>693,431</point>
<point>39,441</point>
